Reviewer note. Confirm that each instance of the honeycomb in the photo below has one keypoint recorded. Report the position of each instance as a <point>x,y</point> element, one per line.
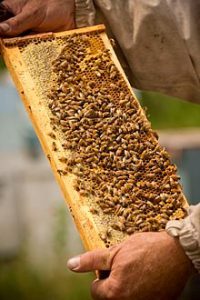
<point>101,136</point>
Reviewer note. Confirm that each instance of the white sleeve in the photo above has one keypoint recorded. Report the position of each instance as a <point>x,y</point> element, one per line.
<point>85,13</point>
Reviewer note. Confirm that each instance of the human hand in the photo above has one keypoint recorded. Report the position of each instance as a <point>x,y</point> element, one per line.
<point>39,16</point>
<point>145,266</point>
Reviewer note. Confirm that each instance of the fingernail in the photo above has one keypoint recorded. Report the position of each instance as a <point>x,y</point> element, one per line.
<point>74,263</point>
<point>4,27</point>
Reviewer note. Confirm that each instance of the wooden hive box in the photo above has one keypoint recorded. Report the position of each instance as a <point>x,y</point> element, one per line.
<point>120,180</point>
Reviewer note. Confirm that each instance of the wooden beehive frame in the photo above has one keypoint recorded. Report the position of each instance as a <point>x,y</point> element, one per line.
<point>84,220</point>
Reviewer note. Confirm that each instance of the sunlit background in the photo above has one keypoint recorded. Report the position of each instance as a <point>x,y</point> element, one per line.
<point>36,232</point>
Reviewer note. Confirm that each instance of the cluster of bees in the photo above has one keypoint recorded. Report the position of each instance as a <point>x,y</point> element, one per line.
<point>110,145</point>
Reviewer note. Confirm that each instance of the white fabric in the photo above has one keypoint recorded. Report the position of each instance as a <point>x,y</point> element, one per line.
<point>160,39</point>
<point>188,232</point>
<point>85,13</point>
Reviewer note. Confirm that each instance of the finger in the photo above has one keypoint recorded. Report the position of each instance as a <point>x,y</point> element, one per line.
<point>18,24</point>
<point>101,289</point>
<point>91,261</point>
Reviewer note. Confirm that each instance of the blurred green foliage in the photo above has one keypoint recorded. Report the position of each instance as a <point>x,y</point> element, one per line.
<point>18,281</point>
<point>21,280</point>
<point>167,112</point>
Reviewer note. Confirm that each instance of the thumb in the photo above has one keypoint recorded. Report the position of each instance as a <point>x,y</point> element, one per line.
<point>18,24</point>
<point>91,261</point>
